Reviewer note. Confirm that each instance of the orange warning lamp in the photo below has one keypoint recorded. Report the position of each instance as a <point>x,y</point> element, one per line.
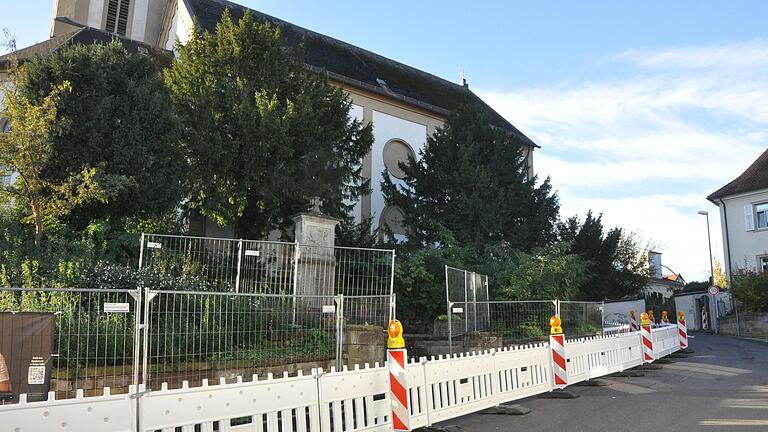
<point>644,319</point>
<point>632,313</point>
<point>395,331</point>
<point>556,325</point>
<point>665,316</point>
<point>681,316</point>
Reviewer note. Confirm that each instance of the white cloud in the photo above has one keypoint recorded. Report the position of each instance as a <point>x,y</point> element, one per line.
<point>691,120</point>
<point>734,56</point>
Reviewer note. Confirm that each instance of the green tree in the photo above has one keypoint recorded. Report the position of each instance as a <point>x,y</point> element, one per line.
<point>120,130</point>
<point>545,274</point>
<point>264,134</point>
<point>617,262</point>
<point>28,149</point>
<point>472,179</point>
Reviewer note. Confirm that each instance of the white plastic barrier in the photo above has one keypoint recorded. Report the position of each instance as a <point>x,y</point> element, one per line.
<point>665,340</point>
<point>348,400</point>
<point>109,413</point>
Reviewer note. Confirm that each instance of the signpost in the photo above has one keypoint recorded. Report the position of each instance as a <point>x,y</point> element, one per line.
<point>713,291</point>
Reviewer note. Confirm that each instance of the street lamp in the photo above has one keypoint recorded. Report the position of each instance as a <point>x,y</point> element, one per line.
<point>711,270</point>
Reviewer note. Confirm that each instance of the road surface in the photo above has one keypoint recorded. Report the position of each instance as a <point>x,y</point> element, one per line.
<point>723,386</point>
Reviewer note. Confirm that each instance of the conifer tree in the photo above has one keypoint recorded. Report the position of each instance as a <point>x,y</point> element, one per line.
<point>472,180</point>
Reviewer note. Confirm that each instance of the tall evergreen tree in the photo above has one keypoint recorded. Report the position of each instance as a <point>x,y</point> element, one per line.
<point>472,179</point>
<point>264,134</point>
<point>119,134</point>
<point>617,265</point>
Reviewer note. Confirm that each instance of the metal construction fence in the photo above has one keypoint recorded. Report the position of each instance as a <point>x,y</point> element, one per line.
<point>469,310</point>
<point>269,267</point>
<point>88,339</point>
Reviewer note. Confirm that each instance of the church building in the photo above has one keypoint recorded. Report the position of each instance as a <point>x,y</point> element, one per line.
<point>404,104</point>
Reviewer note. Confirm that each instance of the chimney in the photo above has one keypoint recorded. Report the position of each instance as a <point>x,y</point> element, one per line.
<point>654,264</point>
<point>463,80</point>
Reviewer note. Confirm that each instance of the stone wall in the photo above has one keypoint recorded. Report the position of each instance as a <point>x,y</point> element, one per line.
<point>364,344</point>
<point>754,325</point>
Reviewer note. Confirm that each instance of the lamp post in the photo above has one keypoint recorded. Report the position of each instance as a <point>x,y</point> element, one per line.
<point>711,273</point>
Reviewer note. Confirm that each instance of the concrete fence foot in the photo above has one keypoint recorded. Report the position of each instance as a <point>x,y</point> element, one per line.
<point>650,366</point>
<point>593,383</point>
<point>448,428</point>
<point>558,394</point>
<point>629,373</point>
<point>505,409</point>
<point>663,361</point>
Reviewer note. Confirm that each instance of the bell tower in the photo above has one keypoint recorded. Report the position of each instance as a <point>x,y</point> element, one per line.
<point>139,20</point>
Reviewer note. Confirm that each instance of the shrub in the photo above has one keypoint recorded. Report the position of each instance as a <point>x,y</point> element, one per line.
<point>751,290</point>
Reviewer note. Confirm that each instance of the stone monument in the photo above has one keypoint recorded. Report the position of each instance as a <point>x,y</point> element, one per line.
<point>315,233</point>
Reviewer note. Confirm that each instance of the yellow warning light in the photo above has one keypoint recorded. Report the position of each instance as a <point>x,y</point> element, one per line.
<point>644,319</point>
<point>555,325</point>
<point>395,331</point>
<point>632,313</point>
<point>681,316</point>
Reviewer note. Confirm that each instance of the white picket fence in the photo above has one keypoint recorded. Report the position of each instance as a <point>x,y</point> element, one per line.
<point>349,400</point>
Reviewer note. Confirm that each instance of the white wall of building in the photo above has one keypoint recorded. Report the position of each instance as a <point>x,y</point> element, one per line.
<point>386,128</point>
<point>742,245</point>
<point>180,28</point>
<point>619,311</point>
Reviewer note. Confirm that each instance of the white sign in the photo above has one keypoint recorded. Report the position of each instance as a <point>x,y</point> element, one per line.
<point>117,307</point>
<point>329,309</point>
<point>457,310</point>
<point>713,290</point>
<point>249,252</point>
<point>154,245</point>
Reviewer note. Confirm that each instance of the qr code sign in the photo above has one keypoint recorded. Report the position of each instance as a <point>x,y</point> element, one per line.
<point>36,375</point>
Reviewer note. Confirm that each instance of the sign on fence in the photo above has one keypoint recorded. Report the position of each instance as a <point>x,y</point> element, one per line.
<point>25,355</point>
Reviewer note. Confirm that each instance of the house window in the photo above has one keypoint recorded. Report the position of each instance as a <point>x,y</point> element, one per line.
<point>117,16</point>
<point>762,264</point>
<point>761,215</point>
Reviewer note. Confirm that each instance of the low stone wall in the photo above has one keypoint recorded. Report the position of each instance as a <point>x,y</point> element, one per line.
<point>364,344</point>
<point>753,325</point>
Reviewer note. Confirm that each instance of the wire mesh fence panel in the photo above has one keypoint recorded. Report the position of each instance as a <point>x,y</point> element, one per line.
<point>196,335</point>
<point>581,318</point>
<point>464,290</point>
<point>367,310</point>
<point>520,321</point>
<point>64,340</point>
<point>227,265</point>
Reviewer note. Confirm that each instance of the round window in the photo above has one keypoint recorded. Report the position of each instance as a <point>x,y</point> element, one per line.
<point>394,219</point>
<point>397,151</point>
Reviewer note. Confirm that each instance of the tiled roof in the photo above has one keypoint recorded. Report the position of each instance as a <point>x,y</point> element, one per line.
<point>754,178</point>
<point>84,36</point>
<point>357,67</point>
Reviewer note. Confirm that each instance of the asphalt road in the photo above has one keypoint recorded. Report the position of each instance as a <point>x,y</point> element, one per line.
<point>723,386</point>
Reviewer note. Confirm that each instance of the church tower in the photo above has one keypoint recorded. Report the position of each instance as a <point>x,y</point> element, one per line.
<point>140,20</point>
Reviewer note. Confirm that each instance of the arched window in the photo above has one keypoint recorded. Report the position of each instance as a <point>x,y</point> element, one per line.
<point>396,151</point>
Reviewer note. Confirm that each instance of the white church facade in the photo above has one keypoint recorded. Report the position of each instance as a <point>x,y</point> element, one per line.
<point>404,104</point>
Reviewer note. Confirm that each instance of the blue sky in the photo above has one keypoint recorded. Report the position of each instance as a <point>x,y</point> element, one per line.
<point>641,108</point>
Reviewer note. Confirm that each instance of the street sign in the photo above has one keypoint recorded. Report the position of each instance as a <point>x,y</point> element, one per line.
<point>713,290</point>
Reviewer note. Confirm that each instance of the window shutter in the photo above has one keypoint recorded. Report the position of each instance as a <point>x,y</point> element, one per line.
<point>749,218</point>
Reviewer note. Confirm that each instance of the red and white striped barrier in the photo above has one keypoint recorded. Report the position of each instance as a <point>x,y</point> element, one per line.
<point>645,334</point>
<point>682,330</point>
<point>557,347</point>
<point>397,361</point>
<point>704,320</point>
<point>633,321</point>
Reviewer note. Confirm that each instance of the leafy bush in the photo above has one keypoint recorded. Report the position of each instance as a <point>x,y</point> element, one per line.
<point>751,290</point>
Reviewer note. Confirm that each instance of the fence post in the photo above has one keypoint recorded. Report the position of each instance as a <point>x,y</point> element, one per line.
<point>239,264</point>
<point>296,251</point>
<point>136,335</point>
<point>449,312</point>
<point>148,296</point>
<point>466,304</point>
<point>392,308</point>
<point>474,300</point>
<point>141,251</point>
<point>339,331</point>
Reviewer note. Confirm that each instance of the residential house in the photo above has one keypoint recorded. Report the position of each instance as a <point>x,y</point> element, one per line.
<point>744,218</point>
<point>404,104</point>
